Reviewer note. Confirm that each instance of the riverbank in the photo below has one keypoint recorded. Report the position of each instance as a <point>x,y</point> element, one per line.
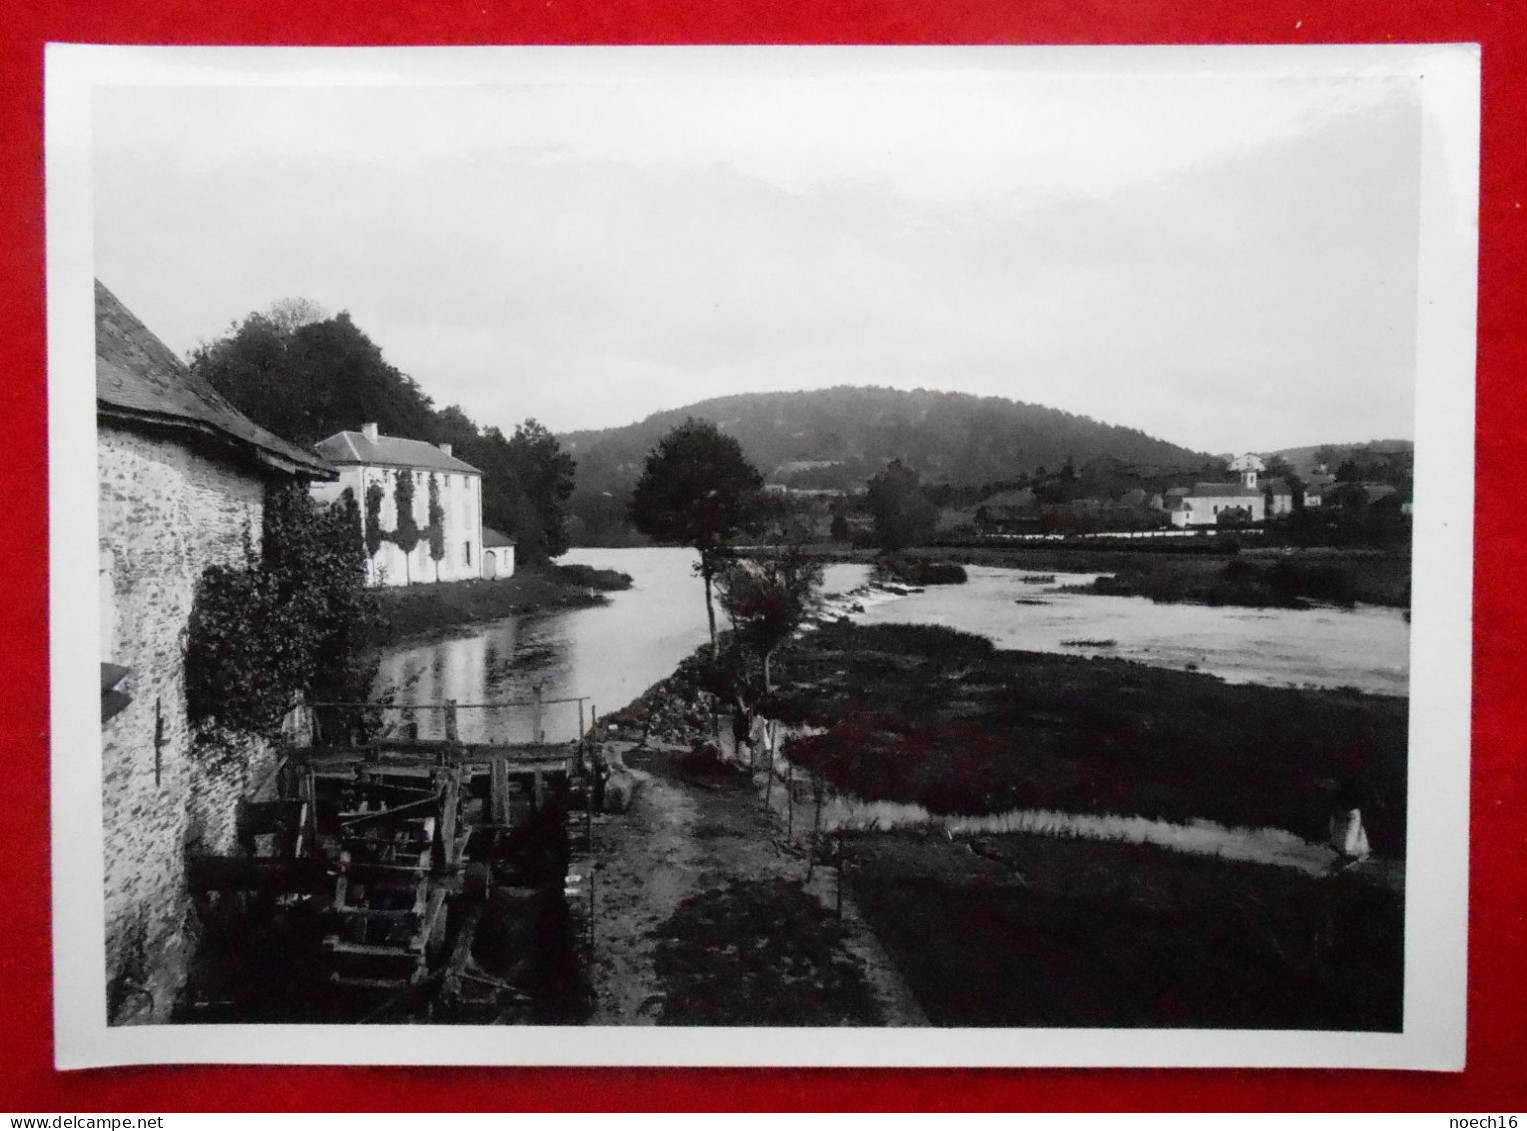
<point>419,611</point>
<point>939,718</point>
<point>1023,929</point>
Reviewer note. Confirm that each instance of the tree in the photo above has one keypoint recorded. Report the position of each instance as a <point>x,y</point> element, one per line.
<point>767,599</point>
<point>305,376</point>
<point>435,531</point>
<point>902,513</point>
<point>1280,468</point>
<point>543,477</point>
<point>696,489</point>
<point>373,526</point>
<point>405,535</point>
<point>289,315</point>
<point>294,619</point>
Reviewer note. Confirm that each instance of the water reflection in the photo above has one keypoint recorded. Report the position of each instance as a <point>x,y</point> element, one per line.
<point>608,654</point>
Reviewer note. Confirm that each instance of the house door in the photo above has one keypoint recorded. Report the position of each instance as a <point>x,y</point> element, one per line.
<point>489,564</point>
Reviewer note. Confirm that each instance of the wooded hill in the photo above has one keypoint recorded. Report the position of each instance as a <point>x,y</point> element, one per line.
<point>1373,458</point>
<point>839,437</point>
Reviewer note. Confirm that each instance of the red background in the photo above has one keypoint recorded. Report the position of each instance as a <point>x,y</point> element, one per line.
<point>1497,1051</point>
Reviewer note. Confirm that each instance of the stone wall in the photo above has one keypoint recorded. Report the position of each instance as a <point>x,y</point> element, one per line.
<point>166,513</point>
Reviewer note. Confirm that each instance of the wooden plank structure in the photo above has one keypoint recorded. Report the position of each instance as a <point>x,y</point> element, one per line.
<point>398,845</point>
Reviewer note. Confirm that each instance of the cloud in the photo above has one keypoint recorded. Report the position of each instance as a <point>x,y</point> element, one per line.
<point>1222,262</point>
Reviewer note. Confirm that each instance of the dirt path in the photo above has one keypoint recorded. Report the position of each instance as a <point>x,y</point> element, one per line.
<point>680,839</point>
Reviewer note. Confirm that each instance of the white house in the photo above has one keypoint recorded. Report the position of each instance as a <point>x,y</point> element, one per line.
<point>497,554</point>
<point>378,470</point>
<point>1203,503</point>
<point>1248,466</point>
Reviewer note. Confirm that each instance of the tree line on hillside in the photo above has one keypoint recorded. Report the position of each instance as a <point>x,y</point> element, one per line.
<point>306,375</point>
<point>838,438</point>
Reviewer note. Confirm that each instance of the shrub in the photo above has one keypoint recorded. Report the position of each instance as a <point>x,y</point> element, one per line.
<point>296,619</point>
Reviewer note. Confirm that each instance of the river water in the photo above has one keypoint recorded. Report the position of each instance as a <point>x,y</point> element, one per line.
<point>611,653</point>
<point>1367,648</point>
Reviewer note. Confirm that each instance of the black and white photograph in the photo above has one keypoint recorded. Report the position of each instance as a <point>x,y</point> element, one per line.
<point>943,556</point>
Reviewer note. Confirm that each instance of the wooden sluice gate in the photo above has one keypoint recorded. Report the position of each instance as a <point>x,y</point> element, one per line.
<point>416,878</point>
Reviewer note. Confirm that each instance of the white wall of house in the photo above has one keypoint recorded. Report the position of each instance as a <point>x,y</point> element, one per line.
<point>460,499</point>
<point>1204,510</point>
<point>498,562</point>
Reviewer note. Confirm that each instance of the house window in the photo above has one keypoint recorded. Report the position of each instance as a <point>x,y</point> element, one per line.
<point>468,547</point>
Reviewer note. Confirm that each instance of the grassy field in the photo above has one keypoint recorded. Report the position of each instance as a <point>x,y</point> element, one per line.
<point>928,715</point>
<point>1020,931</point>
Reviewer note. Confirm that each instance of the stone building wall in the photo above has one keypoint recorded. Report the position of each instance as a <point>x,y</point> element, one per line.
<point>166,513</point>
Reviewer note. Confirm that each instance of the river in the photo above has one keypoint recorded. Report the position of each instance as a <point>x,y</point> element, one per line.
<point>611,653</point>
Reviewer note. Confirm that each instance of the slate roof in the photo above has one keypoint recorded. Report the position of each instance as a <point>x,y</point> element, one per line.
<point>390,451</point>
<point>138,378</point>
<point>493,539</point>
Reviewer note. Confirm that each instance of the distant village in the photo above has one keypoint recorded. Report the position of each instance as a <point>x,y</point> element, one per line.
<point>1114,497</point>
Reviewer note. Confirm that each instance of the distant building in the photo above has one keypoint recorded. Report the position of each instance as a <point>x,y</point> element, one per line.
<point>1009,512</point>
<point>182,478</point>
<point>1279,497</point>
<point>1248,466</point>
<point>1204,503</point>
<point>1316,486</point>
<point>497,554</point>
<point>367,459</point>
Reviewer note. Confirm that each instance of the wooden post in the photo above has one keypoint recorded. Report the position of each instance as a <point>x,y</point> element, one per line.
<point>593,871</point>
<point>499,790</point>
<point>581,731</point>
<point>451,733</point>
<point>410,722</point>
<point>537,789</point>
<point>538,729</point>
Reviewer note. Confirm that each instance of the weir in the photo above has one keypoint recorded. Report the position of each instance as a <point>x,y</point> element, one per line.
<point>397,878</point>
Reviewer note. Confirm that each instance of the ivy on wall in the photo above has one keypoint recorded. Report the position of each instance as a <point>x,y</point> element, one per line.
<point>406,533</point>
<point>435,531</point>
<point>374,534</point>
<point>295,619</point>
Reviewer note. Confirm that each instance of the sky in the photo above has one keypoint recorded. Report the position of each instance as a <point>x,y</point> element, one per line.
<point>1224,259</point>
